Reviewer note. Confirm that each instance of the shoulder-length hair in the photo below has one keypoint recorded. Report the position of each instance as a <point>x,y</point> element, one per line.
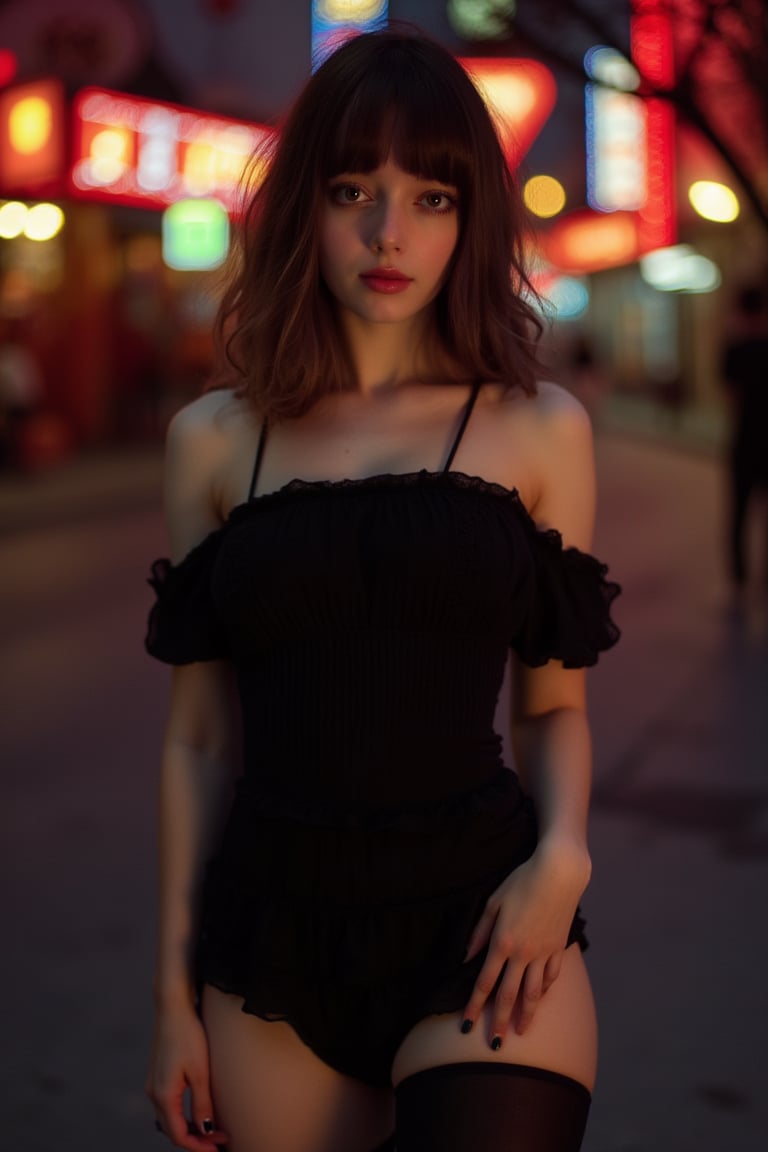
<point>277,335</point>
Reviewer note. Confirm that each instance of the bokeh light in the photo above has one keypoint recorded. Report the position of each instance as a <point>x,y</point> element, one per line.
<point>13,216</point>
<point>195,235</point>
<point>714,201</point>
<point>544,196</point>
<point>44,221</point>
<point>608,67</point>
<point>569,297</point>
<point>30,124</point>
<point>679,268</point>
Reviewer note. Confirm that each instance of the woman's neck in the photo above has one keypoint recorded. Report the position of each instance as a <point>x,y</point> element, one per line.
<point>386,355</point>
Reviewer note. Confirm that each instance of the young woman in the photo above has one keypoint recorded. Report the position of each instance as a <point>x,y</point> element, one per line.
<point>381,928</point>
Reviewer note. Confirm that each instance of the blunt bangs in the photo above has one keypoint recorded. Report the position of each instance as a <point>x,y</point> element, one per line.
<point>396,106</point>
<point>277,332</point>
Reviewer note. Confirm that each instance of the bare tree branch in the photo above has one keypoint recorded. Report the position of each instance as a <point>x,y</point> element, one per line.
<point>731,30</point>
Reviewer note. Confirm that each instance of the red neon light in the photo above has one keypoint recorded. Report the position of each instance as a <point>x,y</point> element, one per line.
<point>653,54</point>
<point>657,218</point>
<point>9,66</point>
<point>587,241</point>
<point>32,160</point>
<point>652,47</point>
<point>151,153</point>
<point>521,95</point>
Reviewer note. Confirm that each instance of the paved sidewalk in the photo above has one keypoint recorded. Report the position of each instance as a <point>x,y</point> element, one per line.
<point>677,907</point>
<point>94,484</point>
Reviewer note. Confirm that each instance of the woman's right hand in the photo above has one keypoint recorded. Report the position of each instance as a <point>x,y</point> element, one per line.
<point>179,1061</point>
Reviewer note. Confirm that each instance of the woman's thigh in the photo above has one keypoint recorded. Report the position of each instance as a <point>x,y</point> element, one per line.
<point>562,1037</point>
<point>271,1092</point>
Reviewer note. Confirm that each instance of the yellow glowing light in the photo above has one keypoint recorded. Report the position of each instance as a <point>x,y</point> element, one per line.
<point>714,201</point>
<point>30,124</point>
<point>215,160</point>
<point>233,147</point>
<point>503,91</point>
<point>354,11</point>
<point>13,215</point>
<point>544,196</point>
<point>43,222</point>
<point>200,168</point>
<point>109,152</point>
<point>111,144</point>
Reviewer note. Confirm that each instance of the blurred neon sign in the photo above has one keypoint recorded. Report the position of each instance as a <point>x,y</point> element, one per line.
<point>653,53</point>
<point>635,190</point>
<point>520,95</point>
<point>152,154</point>
<point>591,241</point>
<point>616,134</point>
<point>334,21</point>
<point>195,234</point>
<point>32,135</point>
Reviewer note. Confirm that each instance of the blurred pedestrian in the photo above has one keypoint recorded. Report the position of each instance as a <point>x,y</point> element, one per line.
<point>20,391</point>
<point>745,373</point>
<point>388,928</point>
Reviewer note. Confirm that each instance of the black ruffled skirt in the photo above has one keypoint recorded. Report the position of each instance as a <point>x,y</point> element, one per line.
<point>355,928</point>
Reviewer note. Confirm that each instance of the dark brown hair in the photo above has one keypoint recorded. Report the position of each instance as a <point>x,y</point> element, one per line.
<point>277,336</point>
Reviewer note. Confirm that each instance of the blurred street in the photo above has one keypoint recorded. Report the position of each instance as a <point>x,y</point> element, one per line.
<point>677,906</point>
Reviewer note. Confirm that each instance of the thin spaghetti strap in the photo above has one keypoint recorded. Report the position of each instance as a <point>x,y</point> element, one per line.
<point>463,426</point>
<point>259,457</point>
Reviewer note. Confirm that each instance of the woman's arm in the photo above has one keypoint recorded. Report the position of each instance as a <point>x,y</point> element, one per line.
<point>195,785</point>
<point>550,731</point>
<point>199,760</point>
<point>198,768</point>
<point>527,920</point>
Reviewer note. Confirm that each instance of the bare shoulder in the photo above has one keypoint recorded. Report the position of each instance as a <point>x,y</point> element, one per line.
<point>549,413</point>
<point>206,420</point>
<point>559,450</point>
<point>558,413</point>
<point>200,442</point>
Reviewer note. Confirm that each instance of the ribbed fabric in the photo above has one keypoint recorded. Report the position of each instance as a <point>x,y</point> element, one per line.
<point>369,624</point>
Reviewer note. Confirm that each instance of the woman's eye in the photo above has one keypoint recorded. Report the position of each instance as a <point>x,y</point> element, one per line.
<point>347,194</point>
<point>438,201</point>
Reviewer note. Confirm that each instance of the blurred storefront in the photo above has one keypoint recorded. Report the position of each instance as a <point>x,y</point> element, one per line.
<point>118,316</point>
<point>642,278</point>
<point>638,277</point>
<point>113,303</point>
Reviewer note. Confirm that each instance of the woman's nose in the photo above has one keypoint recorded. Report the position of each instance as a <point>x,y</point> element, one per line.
<point>387,233</point>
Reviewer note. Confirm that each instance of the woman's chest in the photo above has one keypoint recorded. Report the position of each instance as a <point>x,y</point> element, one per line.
<point>417,554</point>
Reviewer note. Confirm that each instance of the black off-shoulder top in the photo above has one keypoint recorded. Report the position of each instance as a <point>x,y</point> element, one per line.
<point>372,618</point>
<point>369,622</point>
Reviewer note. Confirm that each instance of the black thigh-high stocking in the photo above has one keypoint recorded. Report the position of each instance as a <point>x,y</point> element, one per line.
<point>490,1108</point>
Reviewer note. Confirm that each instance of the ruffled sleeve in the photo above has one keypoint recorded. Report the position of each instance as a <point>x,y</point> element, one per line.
<point>183,624</point>
<point>568,616</point>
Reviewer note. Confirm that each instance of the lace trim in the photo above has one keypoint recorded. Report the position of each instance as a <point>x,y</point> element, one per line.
<point>389,480</point>
<point>550,538</point>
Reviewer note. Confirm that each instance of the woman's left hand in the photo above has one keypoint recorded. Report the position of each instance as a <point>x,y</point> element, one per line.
<point>525,926</point>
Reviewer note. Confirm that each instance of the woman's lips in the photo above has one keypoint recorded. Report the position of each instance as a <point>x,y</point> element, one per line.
<point>387,280</point>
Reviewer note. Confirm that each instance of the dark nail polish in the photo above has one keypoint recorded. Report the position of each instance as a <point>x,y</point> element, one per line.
<point>496,1043</point>
<point>466,1026</point>
<point>207,1127</point>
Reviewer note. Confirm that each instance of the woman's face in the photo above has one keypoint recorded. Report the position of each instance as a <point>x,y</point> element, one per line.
<point>386,241</point>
